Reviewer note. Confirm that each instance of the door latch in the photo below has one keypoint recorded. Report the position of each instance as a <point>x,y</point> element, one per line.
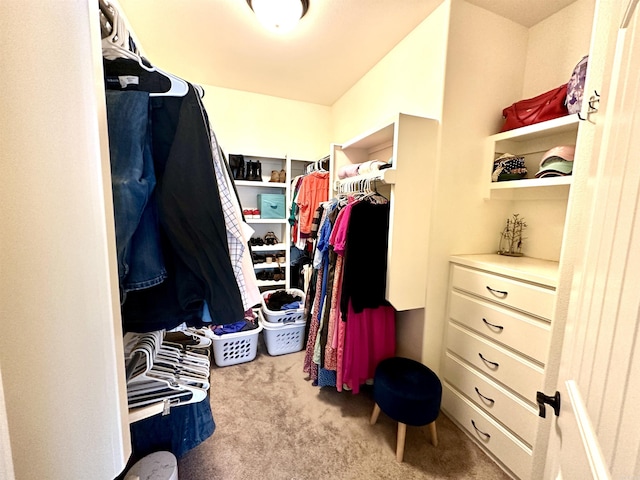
<point>554,402</point>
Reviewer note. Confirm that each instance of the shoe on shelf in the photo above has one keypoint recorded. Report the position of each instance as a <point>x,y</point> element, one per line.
<point>278,275</point>
<point>270,239</point>
<point>248,213</point>
<point>266,275</point>
<point>275,176</point>
<point>236,163</point>
<point>256,213</point>
<point>250,170</point>
<point>256,241</point>
<point>254,171</point>
<point>282,258</point>
<point>282,176</point>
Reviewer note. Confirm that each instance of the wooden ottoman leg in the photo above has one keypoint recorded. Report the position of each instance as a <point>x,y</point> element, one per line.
<point>374,415</point>
<point>434,434</point>
<point>402,433</point>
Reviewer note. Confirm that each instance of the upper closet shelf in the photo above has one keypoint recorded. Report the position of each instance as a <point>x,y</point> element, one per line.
<point>532,182</point>
<point>376,138</point>
<point>568,123</point>
<point>532,142</point>
<point>266,220</point>
<point>252,183</point>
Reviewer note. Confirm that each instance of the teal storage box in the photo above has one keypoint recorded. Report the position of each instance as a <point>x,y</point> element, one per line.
<point>271,205</point>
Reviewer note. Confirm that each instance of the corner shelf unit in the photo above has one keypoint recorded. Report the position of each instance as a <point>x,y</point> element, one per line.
<point>248,191</point>
<point>531,142</point>
<point>411,142</point>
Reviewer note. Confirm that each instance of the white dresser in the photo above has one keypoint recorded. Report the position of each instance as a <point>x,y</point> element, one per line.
<point>498,330</point>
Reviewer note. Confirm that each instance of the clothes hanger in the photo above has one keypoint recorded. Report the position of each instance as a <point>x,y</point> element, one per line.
<point>175,396</point>
<point>178,87</point>
<point>187,338</point>
<point>105,26</point>
<point>154,384</point>
<point>119,33</point>
<point>116,46</point>
<point>169,359</point>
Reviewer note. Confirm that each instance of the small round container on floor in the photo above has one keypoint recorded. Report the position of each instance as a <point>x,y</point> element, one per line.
<point>155,466</point>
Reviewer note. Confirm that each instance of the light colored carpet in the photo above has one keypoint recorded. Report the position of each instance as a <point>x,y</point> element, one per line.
<point>273,424</point>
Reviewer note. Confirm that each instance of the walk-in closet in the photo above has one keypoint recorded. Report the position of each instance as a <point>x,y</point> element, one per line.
<point>216,230</point>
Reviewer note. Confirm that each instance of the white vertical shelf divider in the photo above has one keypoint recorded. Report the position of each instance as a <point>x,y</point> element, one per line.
<point>412,144</point>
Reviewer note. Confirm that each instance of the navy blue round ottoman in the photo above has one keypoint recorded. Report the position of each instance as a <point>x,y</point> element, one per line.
<point>408,392</point>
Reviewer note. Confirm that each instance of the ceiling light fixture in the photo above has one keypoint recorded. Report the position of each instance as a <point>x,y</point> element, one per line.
<point>279,15</point>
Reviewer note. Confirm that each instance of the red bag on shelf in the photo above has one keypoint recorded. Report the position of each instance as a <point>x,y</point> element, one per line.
<point>547,106</point>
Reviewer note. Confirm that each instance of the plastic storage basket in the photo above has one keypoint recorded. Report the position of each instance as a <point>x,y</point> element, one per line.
<point>283,316</point>
<point>234,348</point>
<point>282,338</point>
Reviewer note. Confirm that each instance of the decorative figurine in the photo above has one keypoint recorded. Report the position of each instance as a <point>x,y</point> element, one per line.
<point>511,237</point>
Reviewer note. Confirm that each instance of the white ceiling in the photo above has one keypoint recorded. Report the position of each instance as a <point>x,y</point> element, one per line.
<point>220,43</point>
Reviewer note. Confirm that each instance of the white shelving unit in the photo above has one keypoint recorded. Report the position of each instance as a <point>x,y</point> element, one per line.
<point>531,142</point>
<point>268,221</point>
<point>411,142</point>
<point>248,191</point>
<point>496,404</point>
<point>269,248</point>
<point>500,311</point>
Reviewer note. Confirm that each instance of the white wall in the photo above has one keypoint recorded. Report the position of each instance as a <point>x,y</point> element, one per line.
<point>555,46</point>
<point>489,63</point>
<point>254,124</point>
<point>409,79</point>
<point>61,342</point>
<point>484,64</point>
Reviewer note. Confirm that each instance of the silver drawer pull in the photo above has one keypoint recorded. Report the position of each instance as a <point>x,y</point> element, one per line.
<point>490,400</point>
<point>493,364</point>
<point>498,327</point>
<point>484,434</point>
<point>497,293</point>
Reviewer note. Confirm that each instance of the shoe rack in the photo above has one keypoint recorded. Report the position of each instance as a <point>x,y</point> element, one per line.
<point>270,256</point>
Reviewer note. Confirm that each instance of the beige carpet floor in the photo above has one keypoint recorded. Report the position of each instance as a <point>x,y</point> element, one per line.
<point>273,424</point>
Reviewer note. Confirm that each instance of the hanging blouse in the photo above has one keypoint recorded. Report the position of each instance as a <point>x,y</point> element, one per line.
<point>313,191</point>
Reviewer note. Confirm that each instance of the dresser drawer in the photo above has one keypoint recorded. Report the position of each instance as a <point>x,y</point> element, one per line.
<point>508,449</point>
<point>523,333</point>
<point>519,374</point>
<point>516,415</point>
<point>526,297</point>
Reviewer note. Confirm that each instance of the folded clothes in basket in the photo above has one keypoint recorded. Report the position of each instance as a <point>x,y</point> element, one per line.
<point>277,300</point>
<point>291,306</point>
<point>241,326</point>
